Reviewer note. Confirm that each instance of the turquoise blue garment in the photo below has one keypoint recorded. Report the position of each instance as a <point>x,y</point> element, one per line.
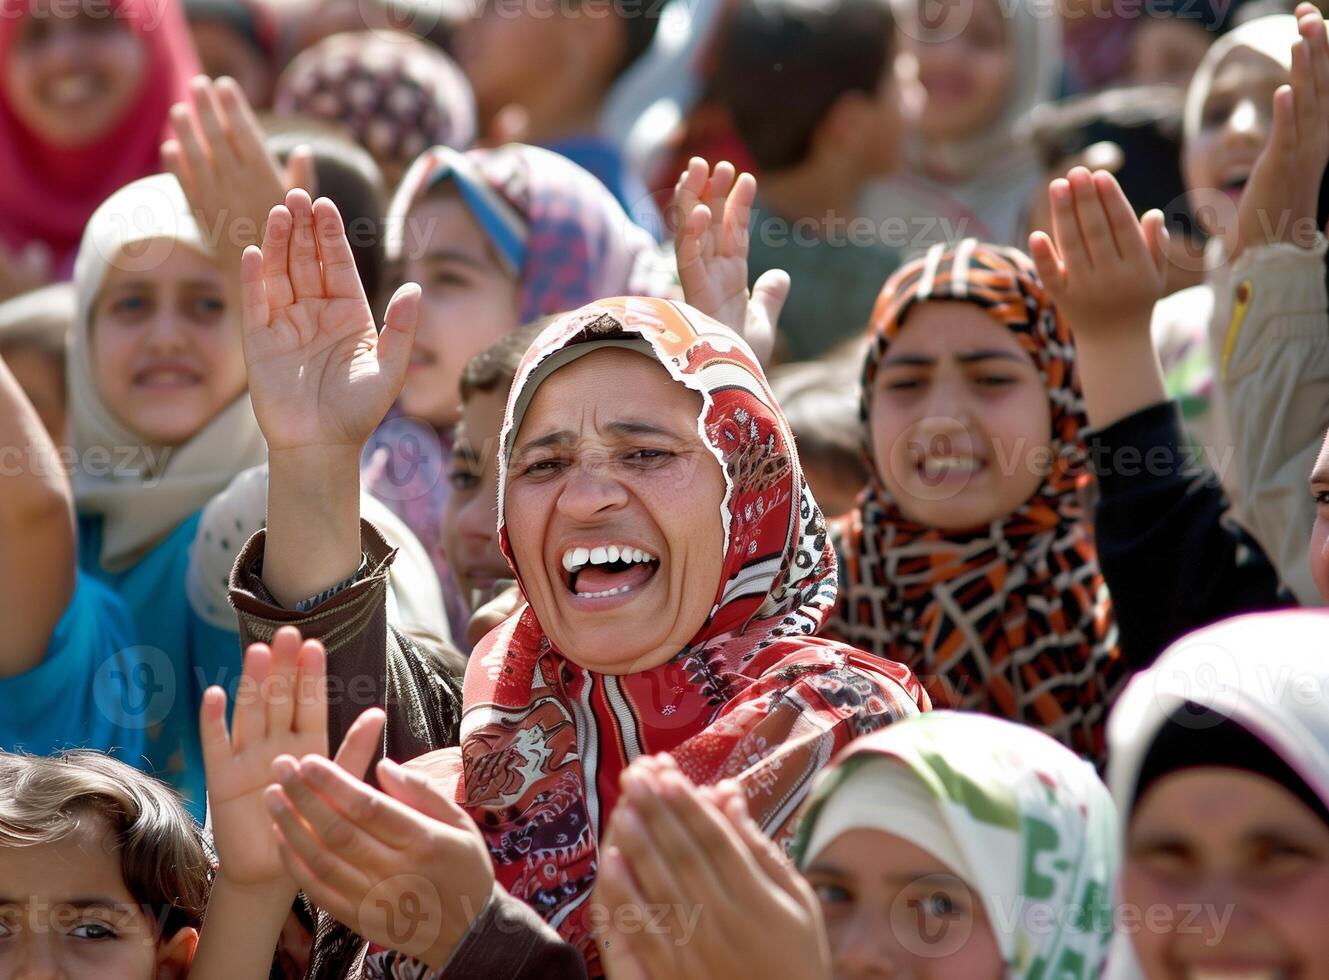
<point>74,698</point>
<point>180,654</point>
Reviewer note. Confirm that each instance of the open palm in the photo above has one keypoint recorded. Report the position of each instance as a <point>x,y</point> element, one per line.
<point>281,709</point>
<point>320,374</point>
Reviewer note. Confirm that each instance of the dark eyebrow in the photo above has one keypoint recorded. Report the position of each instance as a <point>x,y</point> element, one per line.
<point>636,427</point>
<point>964,357</point>
<point>620,428</point>
<point>447,255</point>
<point>464,452</point>
<point>561,438</point>
<point>82,902</point>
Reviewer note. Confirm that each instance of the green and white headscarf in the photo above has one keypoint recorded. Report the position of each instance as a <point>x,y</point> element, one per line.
<point>1025,822</point>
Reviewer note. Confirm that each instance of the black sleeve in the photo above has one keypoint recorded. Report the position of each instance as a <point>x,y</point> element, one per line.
<point>1173,559</point>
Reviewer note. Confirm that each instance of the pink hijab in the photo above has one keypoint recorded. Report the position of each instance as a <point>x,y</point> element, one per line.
<point>47,193</point>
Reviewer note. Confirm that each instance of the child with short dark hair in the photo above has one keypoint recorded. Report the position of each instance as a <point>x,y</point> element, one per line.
<point>541,71</point>
<point>104,873</point>
<point>813,96</point>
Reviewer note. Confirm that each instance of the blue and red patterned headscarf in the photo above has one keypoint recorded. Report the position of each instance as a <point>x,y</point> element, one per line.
<point>554,225</point>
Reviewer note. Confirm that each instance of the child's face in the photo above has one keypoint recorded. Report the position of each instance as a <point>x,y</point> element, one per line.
<point>41,375</point>
<point>65,912</point>
<point>1235,124</point>
<point>70,79</point>
<point>470,517</point>
<point>1227,873</point>
<point>469,301</point>
<point>508,54</point>
<point>223,52</point>
<point>1319,550</point>
<point>894,910</point>
<point>961,425</point>
<point>965,79</point>
<point>166,350</point>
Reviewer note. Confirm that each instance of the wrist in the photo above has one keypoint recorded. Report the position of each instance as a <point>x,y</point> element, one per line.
<point>264,895</point>
<point>313,533</point>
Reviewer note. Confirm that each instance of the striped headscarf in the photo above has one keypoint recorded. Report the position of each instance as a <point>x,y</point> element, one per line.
<point>1013,619</point>
<point>754,695</point>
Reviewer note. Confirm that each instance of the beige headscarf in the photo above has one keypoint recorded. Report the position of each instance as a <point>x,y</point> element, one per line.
<point>978,186</point>
<point>147,490</point>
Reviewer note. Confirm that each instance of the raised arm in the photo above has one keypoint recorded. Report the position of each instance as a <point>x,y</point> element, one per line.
<point>321,377</point>
<point>38,560</point>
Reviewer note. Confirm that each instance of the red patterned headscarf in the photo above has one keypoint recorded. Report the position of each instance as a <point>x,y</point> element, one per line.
<point>754,695</point>
<point>48,192</point>
<point>1013,619</point>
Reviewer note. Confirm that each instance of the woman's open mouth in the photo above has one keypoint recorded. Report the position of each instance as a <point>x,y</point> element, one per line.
<point>607,572</point>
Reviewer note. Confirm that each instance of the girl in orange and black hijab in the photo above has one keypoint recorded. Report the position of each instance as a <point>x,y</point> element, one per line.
<point>969,556</point>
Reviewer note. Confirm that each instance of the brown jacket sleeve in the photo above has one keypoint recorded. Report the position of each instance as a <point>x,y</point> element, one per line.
<point>370,662</point>
<point>509,939</point>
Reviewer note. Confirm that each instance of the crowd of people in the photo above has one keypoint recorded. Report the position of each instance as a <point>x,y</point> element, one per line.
<point>733,488</point>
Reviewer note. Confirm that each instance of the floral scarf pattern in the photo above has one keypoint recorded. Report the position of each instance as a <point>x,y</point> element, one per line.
<point>1033,821</point>
<point>1013,619</point>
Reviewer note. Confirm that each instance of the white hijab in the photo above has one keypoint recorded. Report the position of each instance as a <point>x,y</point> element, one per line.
<point>146,491</point>
<point>992,172</point>
<point>1266,672</point>
<point>1271,36</point>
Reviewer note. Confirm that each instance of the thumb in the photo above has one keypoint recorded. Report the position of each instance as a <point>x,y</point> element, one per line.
<point>361,743</point>
<point>769,293</point>
<point>418,791</point>
<point>300,170</point>
<point>394,343</point>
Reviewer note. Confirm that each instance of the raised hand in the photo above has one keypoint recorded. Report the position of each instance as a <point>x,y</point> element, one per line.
<point>281,708</point>
<point>1279,202</point>
<point>226,171</point>
<point>737,907</point>
<point>1106,269</point>
<point>711,248</point>
<point>1104,273</point>
<point>406,869</point>
<point>320,375</point>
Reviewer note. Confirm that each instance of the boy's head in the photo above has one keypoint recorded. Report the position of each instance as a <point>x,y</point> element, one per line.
<point>346,173</point>
<point>803,79</point>
<point>33,329</point>
<point>470,516</point>
<point>102,872</point>
<point>557,59</point>
<point>237,38</point>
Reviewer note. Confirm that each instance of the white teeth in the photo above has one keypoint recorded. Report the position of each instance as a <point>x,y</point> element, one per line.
<point>600,595</point>
<point>939,465</point>
<point>575,559</point>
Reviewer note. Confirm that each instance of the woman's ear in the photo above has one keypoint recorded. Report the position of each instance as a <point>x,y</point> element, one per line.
<point>175,954</point>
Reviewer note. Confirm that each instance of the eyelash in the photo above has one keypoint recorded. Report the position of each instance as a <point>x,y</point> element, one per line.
<point>109,933</point>
<point>636,457</point>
